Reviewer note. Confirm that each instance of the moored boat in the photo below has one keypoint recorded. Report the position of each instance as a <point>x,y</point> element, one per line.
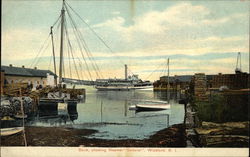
<point>11,131</point>
<point>128,83</point>
<point>20,116</point>
<point>152,106</point>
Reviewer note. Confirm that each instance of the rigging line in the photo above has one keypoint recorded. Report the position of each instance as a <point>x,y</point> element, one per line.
<point>165,69</point>
<point>57,36</point>
<point>69,44</point>
<point>78,40</point>
<point>50,62</point>
<point>161,73</point>
<point>154,70</point>
<point>63,65</point>
<point>81,69</point>
<point>79,37</point>
<point>39,51</point>
<point>74,63</point>
<point>84,58</point>
<point>84,73</point>
<point>93,31</point>
<point>42,53</point>
<point>63,58</point>
<point>89,27</point>
<point>69,63</point>
<point>73,58</point>
<point>43,43</point>
<point>58,19</point>
<point>80,66</point>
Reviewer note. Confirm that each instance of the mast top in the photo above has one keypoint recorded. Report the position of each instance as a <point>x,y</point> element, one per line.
<point>63,4</point>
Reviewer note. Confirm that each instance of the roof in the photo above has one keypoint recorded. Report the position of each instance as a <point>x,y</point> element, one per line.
<point>182,78</point>
<point>19,71</point>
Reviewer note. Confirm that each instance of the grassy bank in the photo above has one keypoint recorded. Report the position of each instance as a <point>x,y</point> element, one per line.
<point>223,121</point>
<point>223,108</point>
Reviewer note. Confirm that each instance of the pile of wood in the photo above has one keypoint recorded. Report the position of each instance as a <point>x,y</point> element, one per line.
<point>16,89</point>
<point>200,87</point>
<point>22,89</point>
<point>230,134</point>
<point>74,93</point>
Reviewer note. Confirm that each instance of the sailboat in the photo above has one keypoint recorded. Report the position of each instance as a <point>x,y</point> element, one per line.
<point>151,105</point>
<point>60,94</point>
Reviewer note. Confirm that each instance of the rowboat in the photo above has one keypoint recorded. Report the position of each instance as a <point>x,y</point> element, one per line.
<point>152,107</point>
<point>11,131</point>
<point>20,116</point>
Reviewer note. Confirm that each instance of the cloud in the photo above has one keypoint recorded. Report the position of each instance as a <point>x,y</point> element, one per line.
<point>115,13</point>
<point>21,43</point>
<point>218,21</point>
<point>182,27</point>
<point>193,36</point>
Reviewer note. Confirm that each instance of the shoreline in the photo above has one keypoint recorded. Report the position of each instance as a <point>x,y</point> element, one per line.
<point>173,136</point>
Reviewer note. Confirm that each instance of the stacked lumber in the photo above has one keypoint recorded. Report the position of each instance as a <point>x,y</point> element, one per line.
<point>14,89</point>
<point>200,87</point>
<point>74,93</point>
<point>223,134</point>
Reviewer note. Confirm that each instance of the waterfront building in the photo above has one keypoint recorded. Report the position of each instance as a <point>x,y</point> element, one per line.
<point>238,80</point>
<point>36,77</point>
<point>175,82</point>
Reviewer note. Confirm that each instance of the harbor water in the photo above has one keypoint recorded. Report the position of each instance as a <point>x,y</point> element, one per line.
<point>108,112</point>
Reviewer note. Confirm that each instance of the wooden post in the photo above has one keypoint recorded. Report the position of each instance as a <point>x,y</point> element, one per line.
<point>24,136</point>
<point>185,113</point>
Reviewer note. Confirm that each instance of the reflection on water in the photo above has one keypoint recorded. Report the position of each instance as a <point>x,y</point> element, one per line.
<point>62,115</point>
<point>108,112</point>
<point>58,116</point>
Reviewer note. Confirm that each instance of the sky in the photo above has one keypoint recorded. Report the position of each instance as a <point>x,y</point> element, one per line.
<point>197,36</point>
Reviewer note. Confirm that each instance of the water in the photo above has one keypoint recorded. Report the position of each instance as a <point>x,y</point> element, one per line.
<point>108,112</point>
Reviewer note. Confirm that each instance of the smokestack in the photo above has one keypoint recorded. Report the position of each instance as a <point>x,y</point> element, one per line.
<point>35,68</point>
<point>23,66</point>
<point>10,65</point>
<point>126,72</point>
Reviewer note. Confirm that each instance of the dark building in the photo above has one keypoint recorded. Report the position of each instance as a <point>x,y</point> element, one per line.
<point>232,81</point>
<point>175,82</point>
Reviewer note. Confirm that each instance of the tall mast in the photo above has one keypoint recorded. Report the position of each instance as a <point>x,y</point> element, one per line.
<point>53,50</point>
<point>168,93</point>
<point>168,71</point>
<point>126,72</point>
<point>61,46</point>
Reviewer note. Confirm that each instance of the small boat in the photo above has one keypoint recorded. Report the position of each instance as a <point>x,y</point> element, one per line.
<point>152,106</point>
<point>133,107</point>
<point>20,116</point>
<point>7,118</point>
<point>11,131</point>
